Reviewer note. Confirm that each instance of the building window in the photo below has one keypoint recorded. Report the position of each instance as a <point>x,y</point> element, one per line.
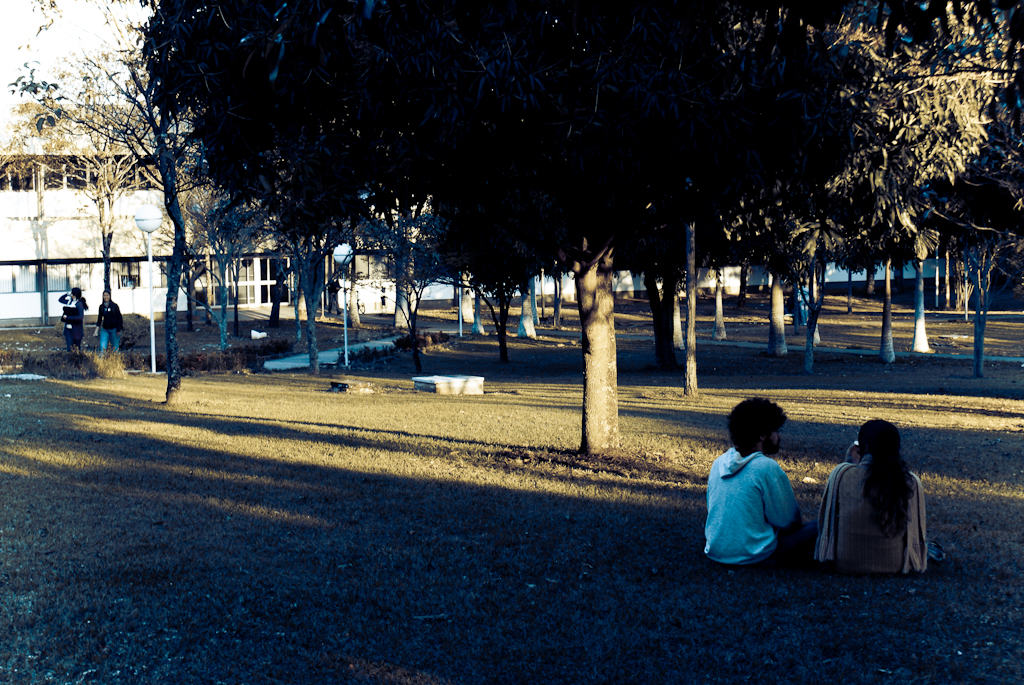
<point>21,180</point>
<point>25,280</point>
<point>57,278</point>
<point>18,278</point>
<point>124,275</point>
<point>53,178</point>
<point>246,272</point>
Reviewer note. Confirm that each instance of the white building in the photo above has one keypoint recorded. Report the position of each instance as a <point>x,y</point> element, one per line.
<point>51,242</point>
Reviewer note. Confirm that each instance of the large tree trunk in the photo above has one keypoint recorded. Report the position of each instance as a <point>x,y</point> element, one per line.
<point>276,295</point>
<point>107,231</point>
<point>556,317</point>
<point>886,353</point>
<point>353,298</point>
<point>869,280</point>
<point>403,294</point>
<point>777,320</point>
<point>466,293</point>
<point>189,281</point>
<point>501,328</point>
<point>222,321</point>
<point>595,298</point>
<point>741,298</point>
<point>920,336</point>
<point>311,342</point>
<point>719,333</point>
<point>169,174</point>
<point>661,302</point>
<point>299,306</point>
<point>528,313</point>
<point>946,285</point>
<point>815,298</point>
<point>980,265</point>
<point>849,291</point>
<point>478,320</point>
<point>980,316</point>
<point>677,322</point>
<point>235,275</point>
<point>690,374</point>
<point>533,303</point>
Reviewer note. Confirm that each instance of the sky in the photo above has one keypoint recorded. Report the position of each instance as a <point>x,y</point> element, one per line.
<point>79,26</point>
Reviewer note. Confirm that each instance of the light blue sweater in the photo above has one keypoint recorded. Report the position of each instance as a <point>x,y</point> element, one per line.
<point>749,499</point>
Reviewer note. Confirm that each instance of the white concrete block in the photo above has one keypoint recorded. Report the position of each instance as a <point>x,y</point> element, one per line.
<point>450,385</point>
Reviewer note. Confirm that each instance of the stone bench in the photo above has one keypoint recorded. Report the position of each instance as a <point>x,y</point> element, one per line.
<point>450,385</point>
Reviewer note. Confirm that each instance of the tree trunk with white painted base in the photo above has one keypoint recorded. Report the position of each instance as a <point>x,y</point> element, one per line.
<point>920,336</point>
<point>719,333</point>
<point>777,320</point>
<point>886,352</point>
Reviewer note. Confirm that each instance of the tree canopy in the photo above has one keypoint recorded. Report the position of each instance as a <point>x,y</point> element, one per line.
<point>630,117</point>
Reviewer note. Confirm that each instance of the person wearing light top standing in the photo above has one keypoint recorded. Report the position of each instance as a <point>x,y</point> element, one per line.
<point>109,324</point>
<point>753,517</point>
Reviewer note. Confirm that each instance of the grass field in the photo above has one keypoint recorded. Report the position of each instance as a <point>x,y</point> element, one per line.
<point>268,531</point>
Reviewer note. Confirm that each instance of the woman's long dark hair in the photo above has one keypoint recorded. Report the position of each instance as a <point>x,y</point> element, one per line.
<point>77,293</point>
<point>889,484</point>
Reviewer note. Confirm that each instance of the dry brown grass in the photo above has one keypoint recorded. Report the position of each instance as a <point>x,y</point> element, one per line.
<point>268,531</point>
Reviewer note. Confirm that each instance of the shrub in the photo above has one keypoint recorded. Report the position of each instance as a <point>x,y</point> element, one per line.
<point>423,340</point>
<point>236,359</point>
<point>134,360</point>
<point>110,365</point>
<point>136,330</point>
<point>9,359</point>
<point>66,365</point>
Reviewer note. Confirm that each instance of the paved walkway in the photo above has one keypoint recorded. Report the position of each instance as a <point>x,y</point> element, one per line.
<point>296,362</point>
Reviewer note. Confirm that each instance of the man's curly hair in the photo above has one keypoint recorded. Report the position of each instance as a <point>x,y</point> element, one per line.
<point>753,418</point>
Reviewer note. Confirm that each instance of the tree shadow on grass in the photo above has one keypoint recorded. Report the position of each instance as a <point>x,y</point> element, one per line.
<point>199,562</point>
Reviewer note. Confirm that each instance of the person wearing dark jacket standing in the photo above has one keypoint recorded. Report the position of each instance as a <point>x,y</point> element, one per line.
<point>109,324</point>
<point>73,318</point>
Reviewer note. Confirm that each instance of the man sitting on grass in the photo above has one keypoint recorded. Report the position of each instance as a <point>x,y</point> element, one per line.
<point>753,517</point>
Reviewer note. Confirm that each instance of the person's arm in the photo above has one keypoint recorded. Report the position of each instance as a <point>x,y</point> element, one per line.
<point>780,507</point>
<point>853,453</point>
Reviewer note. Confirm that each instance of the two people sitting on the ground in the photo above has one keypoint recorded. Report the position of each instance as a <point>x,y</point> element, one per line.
<point>871,519</point>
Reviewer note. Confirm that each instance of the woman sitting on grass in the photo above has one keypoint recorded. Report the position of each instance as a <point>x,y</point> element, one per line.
<point>872,516</point>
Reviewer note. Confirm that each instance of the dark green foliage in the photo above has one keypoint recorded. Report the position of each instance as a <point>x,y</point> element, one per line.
<point>135,332</point>
<point>423,340</point>
<point>246,358</point>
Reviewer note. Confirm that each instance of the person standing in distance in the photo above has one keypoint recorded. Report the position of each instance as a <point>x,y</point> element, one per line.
<point>109,324</point>
<point>73,318</point>
<point>753,517</point>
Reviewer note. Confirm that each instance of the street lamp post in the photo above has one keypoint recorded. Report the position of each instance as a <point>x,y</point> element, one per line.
<point>343,257</point>
<point>148,218</point>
